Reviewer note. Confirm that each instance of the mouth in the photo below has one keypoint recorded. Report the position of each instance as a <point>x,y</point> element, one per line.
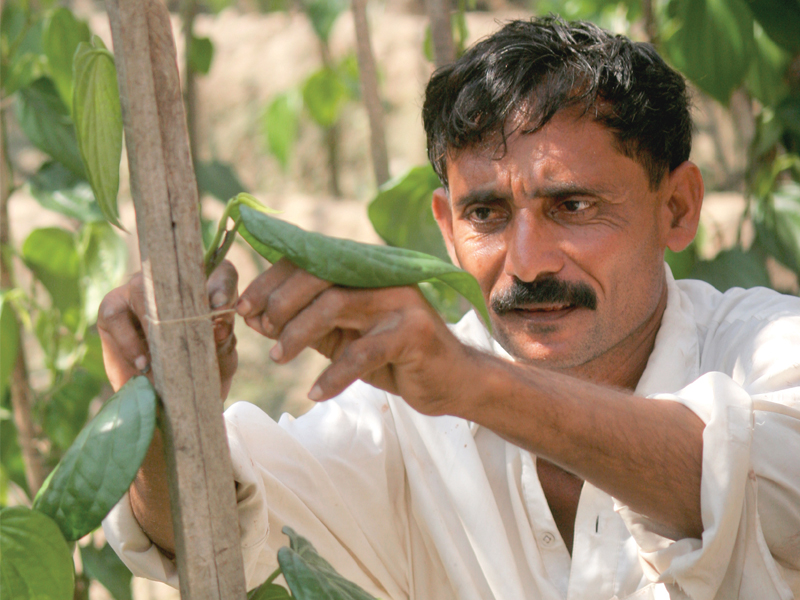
<point>544,311</point>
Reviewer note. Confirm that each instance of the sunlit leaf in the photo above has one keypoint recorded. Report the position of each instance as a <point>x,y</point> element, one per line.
<point>60,38</point>
<point>58,189</point>
<point>279,125</point>
<point>324,95</point>
<point>713,45</point>
<point>36,561</point>
<point>733,268</point>
<point>310,576</point>
<point>201,53</point>
<point>401,212</point>
<point>105,259</point>
<point>780,19</point>
<point>219,179</point>
<point>105,566</point>
<point>353,264</point>
<point>98,122</point>
<point>9,342</point>
<point>101,464</point>
<point>46,121</point>
<point>52,255</point>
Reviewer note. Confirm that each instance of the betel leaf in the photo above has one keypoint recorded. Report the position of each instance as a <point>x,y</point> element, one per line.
<point>353,264</point>
<point>51,253</point>
<point>324,95</point>
<point>733,268</point>
<point>323,14</point>
<point>21,42</point>
<point>279,125</point>
<point>401,212</point>
<point>201,53</point>
<point>104,565</point>
<point>58,189</point>
<point>46,121</point>
<point>101,464</point>
<point>60,38</point>
<point>269,591</point>
<point>98,122</point>
<point>68,407</point>
<point>9,342</point>
<point>713,45</point>
<point>780,19</point>
<point>218,179</point>
<point>36,561</point>
<point>310,576</point>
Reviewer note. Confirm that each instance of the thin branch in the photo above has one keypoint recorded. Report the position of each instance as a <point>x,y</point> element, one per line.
<point>444,50</point>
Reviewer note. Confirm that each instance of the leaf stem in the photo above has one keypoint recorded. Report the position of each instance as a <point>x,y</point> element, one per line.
<point>273,576</point>
<point>218,248</point>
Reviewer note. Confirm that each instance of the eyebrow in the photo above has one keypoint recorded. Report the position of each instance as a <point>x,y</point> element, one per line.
<point>553,190</point>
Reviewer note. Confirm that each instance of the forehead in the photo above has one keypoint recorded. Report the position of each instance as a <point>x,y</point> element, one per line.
<point>570,148</point>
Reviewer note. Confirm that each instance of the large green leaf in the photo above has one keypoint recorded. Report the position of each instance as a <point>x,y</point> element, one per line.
<point>311,577</point>
<point>101,464</point>
<point>201,53</point>
<point>58,189</point>
<point>324,95</point>
<point>98,122</point>
<point>733,268</point>
<point>780,19</point>
<point>269,591</point>
<point>36,561</point>
<point>218,179</point>
<point>713,45</point>
<point>68,406</point>
<point>353,264</point>
<point>46,121</point>
<point>105,259</point>
<point>323,14</point>
<point>21,43</point>
<point>60,38</point>
<point>105,566</point>
<point>401,212</point>
<point>9,342</point>
<point>777,221</point>
<point>767,77</point>
<point>279,125</point>
<point>52,255</point>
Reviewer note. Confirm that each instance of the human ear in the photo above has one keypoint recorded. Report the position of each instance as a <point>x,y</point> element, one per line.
<point>685,186</point>
<point>444,218</point>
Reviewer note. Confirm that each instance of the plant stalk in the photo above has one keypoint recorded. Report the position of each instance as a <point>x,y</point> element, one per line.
<point>444,50</point>
<point>332,132</point>
<point>188,13</point>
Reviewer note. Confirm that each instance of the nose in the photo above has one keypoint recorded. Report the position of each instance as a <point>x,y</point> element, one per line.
<point>532,248</point>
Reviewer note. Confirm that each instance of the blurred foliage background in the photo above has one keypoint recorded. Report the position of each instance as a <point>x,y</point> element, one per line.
<point>312,105</point>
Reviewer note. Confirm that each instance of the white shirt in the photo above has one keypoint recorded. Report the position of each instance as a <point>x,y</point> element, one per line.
<point>410,506</point>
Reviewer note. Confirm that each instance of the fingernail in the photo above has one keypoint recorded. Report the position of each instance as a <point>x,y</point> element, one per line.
<point>142,364</point>
<point>277,352</point>
<point>315,394</point>
<point>219,298</point>
<point>243,307</point>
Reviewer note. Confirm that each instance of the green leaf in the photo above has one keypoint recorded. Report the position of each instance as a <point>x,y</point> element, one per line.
<point>201,53</point>
<point>52,255</point>
<point>60,38</point>
<point>269,591</point>
<point>353,264</point>
<point>37,563</point>
<point>92,359</point>
<point>733,268</point>
<point>218,179</point>
<point>46,121</point>
<point>780,19</point>
<point>713,45</point>
<point>98,122</point>
<point>788,112</point>
<point>58,189</point>
<point>323,14</point>
<point>401,212</point>
<point>101,464</point>
<point>324,95</point>
<point>105,258</point>
<point>21,43</point>
<point>279,124</point>
<point>681,263</point>
<point>105,566</point>
<point>9,342</point>
<point>66,412</point>
<point>310,576</point>
<point>767,77</point>
<point>12,468</point>
<point>777,222</point>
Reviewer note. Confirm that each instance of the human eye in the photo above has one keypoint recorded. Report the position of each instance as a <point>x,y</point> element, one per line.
<point>574,208</point>
<point>484,217</point>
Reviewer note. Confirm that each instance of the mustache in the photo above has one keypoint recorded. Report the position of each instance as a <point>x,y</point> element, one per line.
<point>522,294</point>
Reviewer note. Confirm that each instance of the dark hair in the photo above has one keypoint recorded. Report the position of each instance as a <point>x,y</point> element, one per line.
<point>533,69</point>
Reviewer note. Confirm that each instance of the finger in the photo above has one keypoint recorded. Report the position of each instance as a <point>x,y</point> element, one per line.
<point>228,359</point>
<point>223,293</point>
<point>254,298</point>
<point>125,351</point>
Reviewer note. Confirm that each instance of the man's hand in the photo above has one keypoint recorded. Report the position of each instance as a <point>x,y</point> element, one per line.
<point>123,331</point>
<point>391,338</point>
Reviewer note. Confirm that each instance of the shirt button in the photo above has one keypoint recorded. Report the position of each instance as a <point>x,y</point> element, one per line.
<point>548,538</point>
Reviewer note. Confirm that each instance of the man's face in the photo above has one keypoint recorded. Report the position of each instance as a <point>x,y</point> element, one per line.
<point>561,206</point>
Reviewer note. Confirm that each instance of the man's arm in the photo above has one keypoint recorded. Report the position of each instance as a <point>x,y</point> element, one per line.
<point>125,354</point>
<point>647,453</point>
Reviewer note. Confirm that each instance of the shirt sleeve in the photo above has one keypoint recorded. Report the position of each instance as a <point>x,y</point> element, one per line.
<point>750,500</point>
<point>335,476</point>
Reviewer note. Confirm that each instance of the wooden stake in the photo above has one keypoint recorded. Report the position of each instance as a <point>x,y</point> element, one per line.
<point>183,352</point>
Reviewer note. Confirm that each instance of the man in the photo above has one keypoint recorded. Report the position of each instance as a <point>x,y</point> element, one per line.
<point>623,435</point>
